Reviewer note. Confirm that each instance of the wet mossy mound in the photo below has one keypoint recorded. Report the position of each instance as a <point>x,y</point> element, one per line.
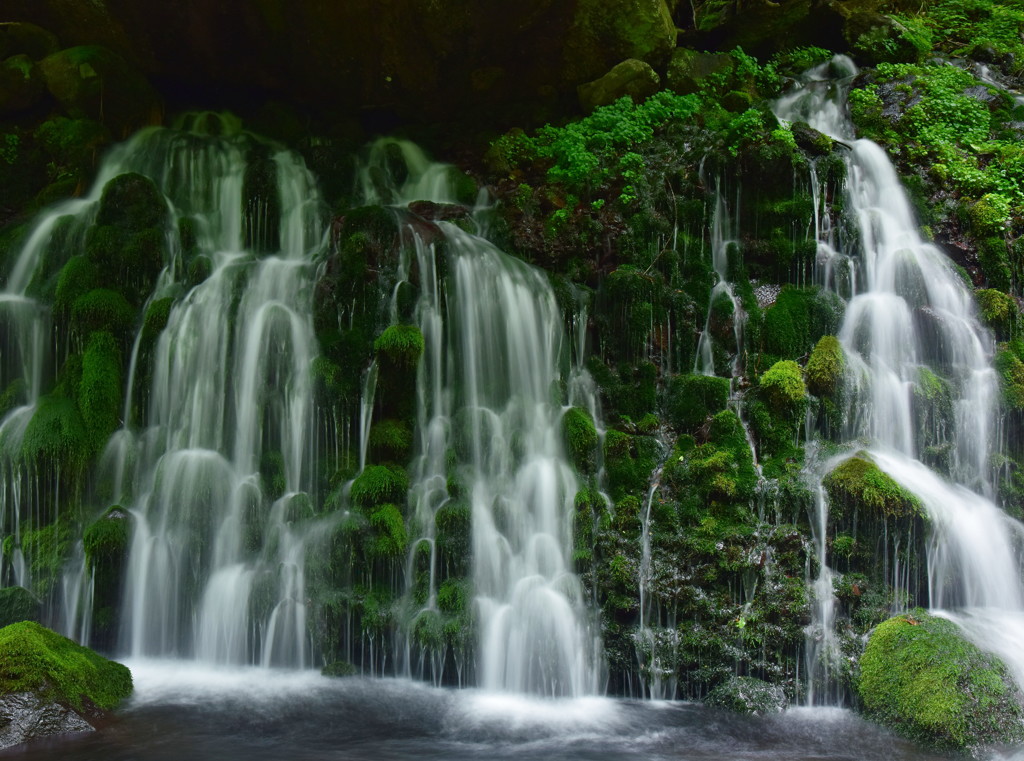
<point>920,676</point>
<point>744,694</point>
<point>859,484</point>
<point>36,660</point>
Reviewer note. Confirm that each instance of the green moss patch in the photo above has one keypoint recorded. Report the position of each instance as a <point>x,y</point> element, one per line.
<point>35,659</point>
<point>825,366</point>
<point>580,438</point>
<point>920,676</point>
<point>860,484</point>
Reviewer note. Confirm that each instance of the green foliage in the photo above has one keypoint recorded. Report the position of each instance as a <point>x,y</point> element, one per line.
<point>400,345</point>
<point>1011,378</point>
<point>825,366</point>
<point>46,550</point>
<point>691,399</point>
<point>56,433</point>
<point>859,484</point>
<point>797,321</point>
<point>102,310</point>
<point>391,439</point>
<point>77,278</point>
<point>452,521</point>
<point>380,484</point>
<point>998,310</point>
<point>453,597</point>
<point>106,538</point>
<point>391,537</point>
<point>920,676</point>
<point>580,438</point>
<point>35,659</point>
<point>629,462</point>
<point>99,393</point>
<point>783,387</point>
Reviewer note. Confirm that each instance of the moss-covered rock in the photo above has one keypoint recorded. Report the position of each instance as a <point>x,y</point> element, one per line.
<point>825,367</point>
<point>691,399</point>
<point>93,82</point>
<point>920,676</point>
<point>689,69</point>
<point>400,346</point>
<point>859,484</point>
<point>631,78</point>
<point>604,32</point>
<point>378,485</point>
<point>21,85</point>
<point>37,659</point>
<point>999,311</point>
<point>783,387</point>
<point>21,37</point>
<point>580,438</point>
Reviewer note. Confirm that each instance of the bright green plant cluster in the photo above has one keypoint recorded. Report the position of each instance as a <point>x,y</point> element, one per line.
<point>920,676</point>
<point>580,438</point>
<point>825,366</point>
<point>783,386</point>
<point>987,28</point>
<point>35,659</point>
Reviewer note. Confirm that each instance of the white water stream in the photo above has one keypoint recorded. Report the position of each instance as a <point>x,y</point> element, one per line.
<point>910,314</point>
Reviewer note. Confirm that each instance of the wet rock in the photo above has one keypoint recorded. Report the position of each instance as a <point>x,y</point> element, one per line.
<point>441,212</point>
<point>25,716</point>
<point>689,68</point>
<point>744,694</point>
<point>21,85</point>
<point>18,37</point>
<point>93,82</point>
<point>631,77</point>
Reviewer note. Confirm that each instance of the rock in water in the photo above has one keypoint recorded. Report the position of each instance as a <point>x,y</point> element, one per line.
<point>49,685</point>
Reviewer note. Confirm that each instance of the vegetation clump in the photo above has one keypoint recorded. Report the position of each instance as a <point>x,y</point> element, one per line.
<point>35,659</point>
<point>580,438</point>
<point>920,676</point>
<point>859,484</point>
<point>825,366</point>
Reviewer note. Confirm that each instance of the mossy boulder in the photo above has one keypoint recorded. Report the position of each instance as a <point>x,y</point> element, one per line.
<point>50,685</point>
<point>400,347</point>
<point>18,604</point>
<point>21,84</point>
<point>859,484</point>
<point>920,676</point>
<point>604,32</point>
<point>999,311</point>
<point>689,69</point>
<point>825,366</point>
<point>783,388</point>
<point>21,37</point>
<point>1011,378</point>
<point>631,78</point>
<point>378,485</point>
<point>94,82</point>
<point>691,399</point>
<point>744,694</point>
<point>580,438</point>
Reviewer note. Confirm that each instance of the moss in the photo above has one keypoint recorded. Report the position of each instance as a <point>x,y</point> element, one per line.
<point>629,462</point>
<point>798,319</point>
<point>339,669</point>
<point>391,440</point>
<point>56,433</point>
<point>920,676</point>
<point>18,604</point>
<point>859,484</point>
<point>102,310</point>
<point>106,538</point>
<point>580,438</point>
<point>825,366</point>
<point>380,484</point>
<point>454,597</point>
<point>155,320</point>
<point>391,537</point>
<point>998,310</point>
<point>400,345</point>
<point>453,523</point>
<point>691,399</point>
<point>1011,378</point>
<point>35,659</point>
<point>77,277</point>
<point>131,201</point>
<point>783,387</point>
<point>99,393</point>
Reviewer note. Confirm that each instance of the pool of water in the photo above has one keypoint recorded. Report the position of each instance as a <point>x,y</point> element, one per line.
<point>185,713</point>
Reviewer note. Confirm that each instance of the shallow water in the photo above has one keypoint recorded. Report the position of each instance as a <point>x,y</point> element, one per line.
<point>186,713</point>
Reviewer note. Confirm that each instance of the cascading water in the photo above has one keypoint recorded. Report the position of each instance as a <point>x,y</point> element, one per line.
<point>495,353</point>
<point>911,318</point>
<point>215,566</point>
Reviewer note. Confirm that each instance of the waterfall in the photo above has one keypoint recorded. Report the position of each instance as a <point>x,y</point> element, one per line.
<point>911,317</point>
<point>224,390</point>
<point>496,353</point>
